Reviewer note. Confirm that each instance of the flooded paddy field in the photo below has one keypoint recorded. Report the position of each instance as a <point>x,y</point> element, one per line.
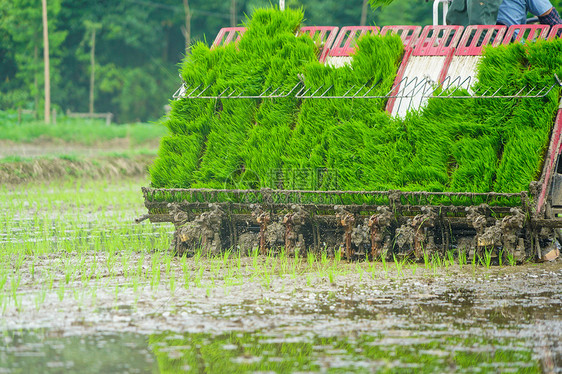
<point>83,289</point>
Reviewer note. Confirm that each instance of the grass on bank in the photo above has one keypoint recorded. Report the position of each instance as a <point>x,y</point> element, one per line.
<point>75,130</point>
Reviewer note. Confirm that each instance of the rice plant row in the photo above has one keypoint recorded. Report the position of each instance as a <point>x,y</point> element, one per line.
<point>472,145</point>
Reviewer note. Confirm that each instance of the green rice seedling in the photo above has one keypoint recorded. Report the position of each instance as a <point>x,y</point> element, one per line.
<point>84,276</point>
<point>93,296</point>
<point>75,294</point>
<point>68,270</point>
<point>39,299</point>
<point>284,261</point>
<point>155,271</point>
<point>172,281</point>
<point>93,267</point>
<point>332,276</point>
<point>500,257</point>
<point>125,258</point>
<point>486,258</point>
<point>510,258</point>
<point>116,296</point>
<point>110,262</point>
<point>461,255</point>
<point>266,279</point>
<point>226,254</point>
<point>372,268</point>
<point>3,302</point>
<point>295,263</point>
<point>310,258</point>
<point>136,282</point>
<point>197,255</point>
<point>426,259</point>
<point>384,265</point>
<point>3,278</point>
<point>18,303</point>
<point>14,284</point>
<point>139,271</point>
<point>239,261</point>
<point>32,268</point>
<point>274,266</point>
<point>324,258</point>
<point>19,261</point>
<point>473,262</point>
<point>458,145</point>
<point>183,264</point>
<point>168,263</point>
<point>359,270</point>
<point>255,253</point>
<point>61,291</point>
<point>269,258</point>
<point>413,267</point>
<point>398,264</point>
<point>436,263</point>
<point>199,277</point>
<point>451,257</point>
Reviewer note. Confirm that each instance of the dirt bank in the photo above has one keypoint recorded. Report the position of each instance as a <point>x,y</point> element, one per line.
<point>99,167</point>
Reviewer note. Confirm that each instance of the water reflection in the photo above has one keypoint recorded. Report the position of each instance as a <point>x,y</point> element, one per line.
<point>48,351</point>
<point>397,351</point>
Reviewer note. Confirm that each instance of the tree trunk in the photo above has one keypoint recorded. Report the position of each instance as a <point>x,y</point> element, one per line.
<point>187,30</point>
<point>233,13</point>
<point>364,12</point>
<point>35,76</point>
<point>46,63</point>
<point>92,69</point>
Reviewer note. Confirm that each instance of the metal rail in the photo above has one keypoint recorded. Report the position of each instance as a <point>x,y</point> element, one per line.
<point>405,88</point>
<point>393,197</point>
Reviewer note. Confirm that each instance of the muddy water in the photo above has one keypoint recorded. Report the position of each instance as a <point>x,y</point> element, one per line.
<point>86,310</point>
<point>361,320</point>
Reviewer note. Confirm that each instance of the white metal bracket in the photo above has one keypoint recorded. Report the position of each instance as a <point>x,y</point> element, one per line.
<point>436,11</point>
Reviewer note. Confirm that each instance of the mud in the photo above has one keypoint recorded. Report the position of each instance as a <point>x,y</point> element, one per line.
<point>134,308</point>
<point>360,318</point>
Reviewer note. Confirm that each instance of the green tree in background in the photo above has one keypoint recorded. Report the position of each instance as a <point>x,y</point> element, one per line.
<point>22,46</point>
<point>138,44</point>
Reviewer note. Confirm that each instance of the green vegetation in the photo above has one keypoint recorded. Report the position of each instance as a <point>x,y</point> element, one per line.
<point>73,130</point>
<point>136,47</point>
<point>94,245</point>
<point>449,145</point>
<point>239,142</point>
<point>488,145</point>
<point>268,55</point>
<point>251,352</point>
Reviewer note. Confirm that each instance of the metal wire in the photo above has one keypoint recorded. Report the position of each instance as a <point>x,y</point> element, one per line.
<point>405,88</point>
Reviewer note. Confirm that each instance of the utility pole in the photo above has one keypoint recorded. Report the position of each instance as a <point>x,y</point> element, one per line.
<point>92,68</point>
<point>36,75</point>
<point>187,30</point>
<point>364,12</point>
<point>46,63</point>
<point>232,13</point>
